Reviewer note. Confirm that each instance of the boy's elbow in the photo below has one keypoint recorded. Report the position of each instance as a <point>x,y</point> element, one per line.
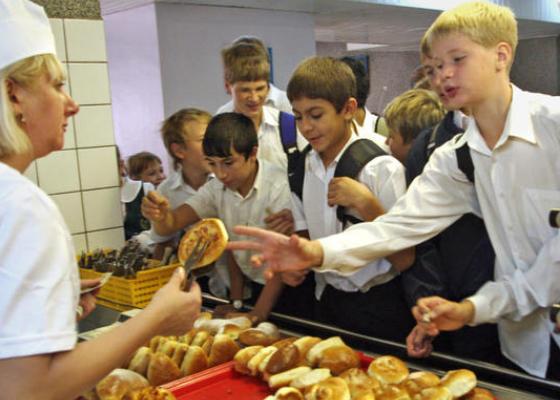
<point>404,259</point>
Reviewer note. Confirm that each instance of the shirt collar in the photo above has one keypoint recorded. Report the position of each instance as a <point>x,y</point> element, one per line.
<point>269,116</point>
<point>317,159</point>
<point>518,124</point>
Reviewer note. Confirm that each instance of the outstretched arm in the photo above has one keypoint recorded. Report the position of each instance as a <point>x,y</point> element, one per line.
<point>165,221</point>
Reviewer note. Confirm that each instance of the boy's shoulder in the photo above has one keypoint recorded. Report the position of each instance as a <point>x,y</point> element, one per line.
<point>542,105</point>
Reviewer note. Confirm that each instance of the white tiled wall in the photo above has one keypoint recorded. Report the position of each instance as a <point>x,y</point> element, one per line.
<point>82,178</point>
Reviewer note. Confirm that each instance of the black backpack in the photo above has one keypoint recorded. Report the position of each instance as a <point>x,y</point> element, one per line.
<point>354,158</point>
<point>288,136</point>
<point>463,153</point>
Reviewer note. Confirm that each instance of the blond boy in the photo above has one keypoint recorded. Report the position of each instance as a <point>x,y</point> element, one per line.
<point>512,138</point>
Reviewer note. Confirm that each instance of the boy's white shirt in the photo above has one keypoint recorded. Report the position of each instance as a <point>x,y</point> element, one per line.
<point>276,98</point>
<point>270,193</point>
<point>367,131</point>
<point>517,183</point>
<point>385,178</point>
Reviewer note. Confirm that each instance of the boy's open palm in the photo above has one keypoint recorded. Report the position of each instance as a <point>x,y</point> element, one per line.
<point>155,206</point>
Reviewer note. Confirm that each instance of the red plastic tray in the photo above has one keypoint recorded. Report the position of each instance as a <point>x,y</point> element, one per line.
<point>223,383</point>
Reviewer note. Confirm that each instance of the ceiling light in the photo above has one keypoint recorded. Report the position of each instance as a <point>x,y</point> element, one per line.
<point>363,46</point>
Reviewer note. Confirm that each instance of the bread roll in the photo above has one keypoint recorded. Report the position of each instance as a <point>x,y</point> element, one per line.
<point>242,321</point>
<point>195,360</point>
<point>179,354</point>
<point>284,342</point>
<point>255,337</point>
<point>231,330</point>
<point>284,378</point>
<point>434,393</point>
<point>459,382</point>
<point>255,361</point>
<point>314,352</point>
<point>199,338</point>
<point>242,358</point>
<point>388,370</point>
<point>419,380</point>
<point>285,358</point>
<point>223,349</point>
<point>162,370</point>
<point>150,393</point>
<point>338,359</point>
<point>140,361</point>
<point>331,389</point>
<point>479,394</point>
<point>120,381</point>
<point>269,329</point>
<point>304,344</point>
<point>392,392</point>
<point>189,336</point>
<point>264,362</point>
<point>207,345</point>
<point>154,342</point>
<point>361,385</point>
<point>168,347</point>
<point>288,393</point>
<point>310,378</point>
<point>209,229</point>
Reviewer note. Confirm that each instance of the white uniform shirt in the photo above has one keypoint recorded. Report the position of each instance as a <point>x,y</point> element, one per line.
<point>270,193</point>
<point>516,184</point>
<point>385,178</point>
<point>276,98</point>
<point>38,272</point>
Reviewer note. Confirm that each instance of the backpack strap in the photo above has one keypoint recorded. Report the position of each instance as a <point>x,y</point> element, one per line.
<point>296,171</point>
<point>352,161</point>
<point>288,132</point>
<point>432,141</point>
<point>464,159</point>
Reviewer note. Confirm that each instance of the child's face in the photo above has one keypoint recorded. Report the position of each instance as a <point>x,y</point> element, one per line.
<point>249,97</point>
<point>153,174</point>
<point>326,130</point>
<point>235,172</point>
<point>461,71</point>
<point>191,153</point>
<point>399,149</point>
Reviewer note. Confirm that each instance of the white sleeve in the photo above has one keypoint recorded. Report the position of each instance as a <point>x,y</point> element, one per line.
<point>436,199</point>
<point>38,277</point>
<point>385,178</point>
<point>203,202</point>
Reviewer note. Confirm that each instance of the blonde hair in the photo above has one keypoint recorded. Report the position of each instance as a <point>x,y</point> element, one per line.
<point>413,111</point>
<point>323,78</point>
<point>173,129</point>
<point>484,23</point>
<point>26,72</point>
<point>245,62</point>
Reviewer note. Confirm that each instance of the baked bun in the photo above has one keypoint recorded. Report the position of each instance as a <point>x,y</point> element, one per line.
<point>199,338</point>
<point>195,360</point>
<point>288,393</point>
<point>231,330</point>
<point>304,344</point>
<point>150,393</point>
<point>388,370</point>
<point>242,358</point>
<point>315,352</point>
<point>179,353</point>
<point>140,361</point>
<point>434,393</point>
<point>154,342</point>
<point>207,345</point>
<point>284,342</point>
<point>223,349</point>
<point>257,359</point>
<point>284,378</point>
<point>168,347</point>
<point>209,229</point>
<point>255,337</point>
<point>310,378</point>
<point>459,381</point>
<point>283,359</point>
<point>269,329</point>
<point>479,394</point>
<point>361,385</point>
<point>162,370</point>
<point>189,336</point>
<point>392,392</point>
<point>338,359</point>
<point>419,380</point>
<point>331,389</point>
<point>120,381</point>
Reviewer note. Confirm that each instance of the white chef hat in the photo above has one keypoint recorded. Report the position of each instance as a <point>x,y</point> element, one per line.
<point>25,31</point>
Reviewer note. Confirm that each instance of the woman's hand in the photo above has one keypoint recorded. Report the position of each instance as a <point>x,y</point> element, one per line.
<point>437,314</point>
<point>419,343</point>
<point>88,300</point>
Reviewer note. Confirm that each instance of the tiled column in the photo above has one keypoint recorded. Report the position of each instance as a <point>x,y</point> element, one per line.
<point>82,178</point>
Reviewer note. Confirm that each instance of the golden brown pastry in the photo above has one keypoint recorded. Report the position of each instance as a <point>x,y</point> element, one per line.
<point>140,361</point>
<point>330,389</point>
<point>223,349</point>
<point>284,342</point>
<point>434,393</point>
<point>179,354</point>
<point>207,345</point>
<point>195,360</point>
<point>209,229</point>
<point>150,393</point>
<point>256,360</point>
<point>287,357</point>
<point>459,382</point>
<point>288,393</point>
<point>284,378</point>
<point>231,330</point>
<point>255,337</point>
<point>392,392</point>
<point>188,337</point>
<point>242,358</point>
<point>168,347</point>
<point>120,381</point>
<point>361,385</point>
<point>338,359</point>
<point>310,378</point>
<point>199,338</point>
<point>154,343</point>
<point>419,380</point>
<point>162,370</point>
<point>304,344</point>
<point>479,394</point>
<point>314,352</point>
<point>388,370</point>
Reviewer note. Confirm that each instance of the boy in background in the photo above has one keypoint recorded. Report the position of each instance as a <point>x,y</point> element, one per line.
<point>275,98</point>
<point>471,50</point>
<point>245,190</point>
<point>322,91</point>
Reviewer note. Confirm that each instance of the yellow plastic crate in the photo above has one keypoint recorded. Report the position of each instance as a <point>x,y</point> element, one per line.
<point>124,294</point>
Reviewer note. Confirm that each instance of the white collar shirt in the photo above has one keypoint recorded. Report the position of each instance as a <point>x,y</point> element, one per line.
<point>384,176</point>
<point>270,193</point>
<point>516,184</point>
<point>276,98</point>
<point>38,272</point>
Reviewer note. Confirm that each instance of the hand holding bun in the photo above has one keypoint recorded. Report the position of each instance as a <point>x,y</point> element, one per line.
<point>209,229</point>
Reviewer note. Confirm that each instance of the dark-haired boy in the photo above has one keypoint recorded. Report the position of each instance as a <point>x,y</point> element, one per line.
<point>246,190</point>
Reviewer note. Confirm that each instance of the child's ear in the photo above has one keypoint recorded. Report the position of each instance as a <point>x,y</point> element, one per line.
<point>229,87</point>
<point>350,108</point>
<point>177,150</point>
<point>254,152</point>
<point>504,53</point>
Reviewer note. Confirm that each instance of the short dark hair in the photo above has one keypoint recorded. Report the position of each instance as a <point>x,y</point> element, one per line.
<point>138,162</point>
<point>362,79</point>
<point>229,130</point>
